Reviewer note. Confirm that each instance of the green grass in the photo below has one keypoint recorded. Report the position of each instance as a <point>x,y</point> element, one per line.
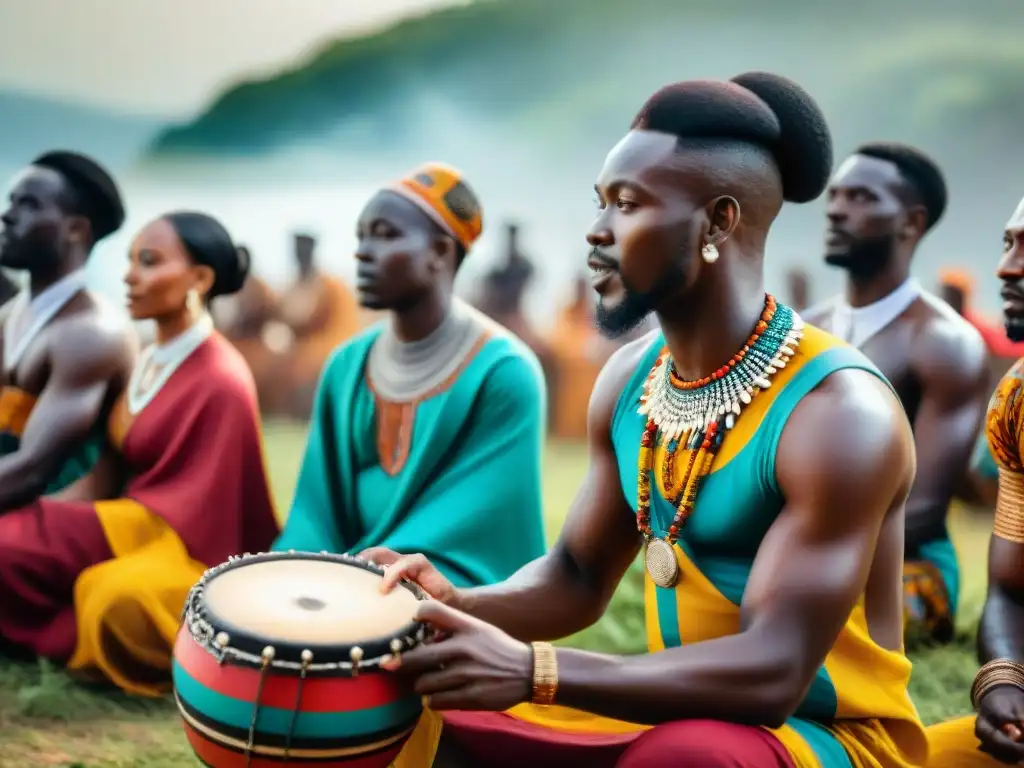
<point>46,720</point>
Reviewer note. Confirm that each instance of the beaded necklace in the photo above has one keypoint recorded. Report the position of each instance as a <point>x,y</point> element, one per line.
<point>402,371</point>
<point>697,415</point>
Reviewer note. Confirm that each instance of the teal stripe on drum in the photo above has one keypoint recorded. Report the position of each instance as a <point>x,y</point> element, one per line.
<point>308,725</point>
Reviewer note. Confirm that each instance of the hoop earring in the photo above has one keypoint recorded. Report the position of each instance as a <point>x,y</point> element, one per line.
<point>709,253</point>
<point>193,303</point>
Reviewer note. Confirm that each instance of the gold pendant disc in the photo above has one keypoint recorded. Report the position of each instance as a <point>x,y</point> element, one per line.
<point>660,559</point>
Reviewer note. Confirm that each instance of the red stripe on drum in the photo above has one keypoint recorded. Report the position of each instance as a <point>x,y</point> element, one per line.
<point>216,756</point>
<point>319,694</point>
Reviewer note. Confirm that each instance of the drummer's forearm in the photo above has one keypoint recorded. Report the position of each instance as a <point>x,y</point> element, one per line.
<point>743,678</point>
<point>546,599</point>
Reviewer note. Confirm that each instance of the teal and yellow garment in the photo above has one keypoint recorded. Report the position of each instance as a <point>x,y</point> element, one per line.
<point>454,475</point>
<point>931,591</point>
<point>857,713</point>
<point>931,578</point>
<point>931,581</point>
<point>15,408</point>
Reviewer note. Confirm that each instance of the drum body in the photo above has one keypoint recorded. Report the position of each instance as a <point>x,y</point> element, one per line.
<point>277,662</point>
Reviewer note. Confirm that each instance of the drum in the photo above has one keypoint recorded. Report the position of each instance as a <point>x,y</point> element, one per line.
<point>277,661</point>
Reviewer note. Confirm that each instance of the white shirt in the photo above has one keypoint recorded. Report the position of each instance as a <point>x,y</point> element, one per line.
<point>859,324</point>
<point>29,316</point>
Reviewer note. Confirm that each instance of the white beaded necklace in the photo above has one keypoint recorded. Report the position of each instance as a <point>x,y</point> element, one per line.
<point>35,313</point>
<point>402,371</point>
<point>165,359</point>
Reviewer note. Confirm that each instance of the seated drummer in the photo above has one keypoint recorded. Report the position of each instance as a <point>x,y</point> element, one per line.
<point>98,578</point>
<point>766,470</point>
<point>66,354</point>
<point>427,428</point>
<point>996,735</point>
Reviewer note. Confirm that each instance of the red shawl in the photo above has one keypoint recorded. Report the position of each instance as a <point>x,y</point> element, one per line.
<point>195,457</point>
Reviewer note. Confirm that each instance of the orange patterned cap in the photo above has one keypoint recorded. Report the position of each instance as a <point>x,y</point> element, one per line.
<point>440,191</point>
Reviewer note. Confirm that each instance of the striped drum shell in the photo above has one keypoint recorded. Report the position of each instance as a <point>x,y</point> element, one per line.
<point>277,662</point>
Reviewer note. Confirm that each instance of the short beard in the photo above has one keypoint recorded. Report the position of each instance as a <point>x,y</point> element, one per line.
<point>35,258</point>
<point>635,306</point>
<point>625,316</point>
<point>1014,329</point>
<point>867,257</point>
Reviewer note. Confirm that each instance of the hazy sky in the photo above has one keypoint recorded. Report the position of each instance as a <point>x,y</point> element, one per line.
<point>169,56</point>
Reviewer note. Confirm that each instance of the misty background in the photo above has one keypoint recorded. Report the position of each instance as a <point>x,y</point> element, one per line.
<point>525,96</point>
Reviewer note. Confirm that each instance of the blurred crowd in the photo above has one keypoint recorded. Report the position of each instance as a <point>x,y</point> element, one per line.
<point>286,335</point>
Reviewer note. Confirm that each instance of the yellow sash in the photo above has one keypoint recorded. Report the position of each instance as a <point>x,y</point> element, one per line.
<point>15,407</point>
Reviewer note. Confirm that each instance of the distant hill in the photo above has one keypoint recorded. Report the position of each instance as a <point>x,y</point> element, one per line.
<point>33,124</point>
<point>564,71</point>
<point>528,96</point>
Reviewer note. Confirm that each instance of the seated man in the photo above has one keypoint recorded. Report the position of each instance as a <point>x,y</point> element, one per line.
<point>242,318</point>
<point>882,203</point>
<point>996,735</point>
<point>310,319</point>
<point>762,465</point>
<point>427,429</point>
<point>66,355</point>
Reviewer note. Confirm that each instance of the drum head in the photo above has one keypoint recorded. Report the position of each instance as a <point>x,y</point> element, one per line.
<point>303,601</point>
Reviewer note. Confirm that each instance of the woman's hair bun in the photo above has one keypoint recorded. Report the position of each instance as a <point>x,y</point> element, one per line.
<point>208,242</point>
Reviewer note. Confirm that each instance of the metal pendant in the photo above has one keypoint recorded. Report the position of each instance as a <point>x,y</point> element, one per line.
<point>660,559</point>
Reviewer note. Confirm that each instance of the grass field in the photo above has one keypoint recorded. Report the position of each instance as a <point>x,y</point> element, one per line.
<point>46,720</point>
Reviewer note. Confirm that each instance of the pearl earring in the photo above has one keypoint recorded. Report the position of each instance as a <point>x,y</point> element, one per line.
<point>710,253</point>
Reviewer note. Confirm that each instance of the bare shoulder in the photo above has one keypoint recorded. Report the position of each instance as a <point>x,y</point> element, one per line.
<point>615,375</point>
<point>849,431</point>
<point>95,336</point>
<point>947,347</point>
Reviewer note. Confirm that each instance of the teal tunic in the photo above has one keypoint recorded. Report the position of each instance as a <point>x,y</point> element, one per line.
<point>738,503</point>
<point>468,495</point>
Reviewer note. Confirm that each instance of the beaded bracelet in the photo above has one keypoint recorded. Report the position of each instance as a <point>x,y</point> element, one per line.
<point>997,672</point>
<point>545,674</point>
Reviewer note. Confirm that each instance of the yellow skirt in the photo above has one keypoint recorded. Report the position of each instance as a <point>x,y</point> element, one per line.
<point>129,608</point>
<point>953,745</point>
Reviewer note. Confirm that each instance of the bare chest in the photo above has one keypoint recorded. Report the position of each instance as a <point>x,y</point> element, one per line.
<point>32,369</point>
<point>891,350</point>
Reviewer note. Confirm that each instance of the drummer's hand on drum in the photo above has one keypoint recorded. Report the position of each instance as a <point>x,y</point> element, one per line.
<point>415,568</point>
<point>476,667</point>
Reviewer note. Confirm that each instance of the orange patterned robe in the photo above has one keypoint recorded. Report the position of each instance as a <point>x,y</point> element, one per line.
<point>953,744</point>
